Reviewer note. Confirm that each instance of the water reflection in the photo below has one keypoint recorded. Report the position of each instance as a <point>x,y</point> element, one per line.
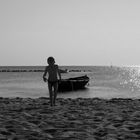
<point>131,78</point>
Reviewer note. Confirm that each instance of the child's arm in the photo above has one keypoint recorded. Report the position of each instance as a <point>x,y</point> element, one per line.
<point>44,75</point>
<point>59,74</point>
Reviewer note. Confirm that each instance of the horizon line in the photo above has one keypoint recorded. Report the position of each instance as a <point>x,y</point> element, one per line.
<point>70,65</point>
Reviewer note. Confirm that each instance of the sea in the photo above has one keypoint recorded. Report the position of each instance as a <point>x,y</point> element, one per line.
<point>105,82</point>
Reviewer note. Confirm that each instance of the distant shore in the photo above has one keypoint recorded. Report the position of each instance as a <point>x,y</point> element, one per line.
<point>78,119</point>
<point>25,70</point>
<point>8,70</point>
<point>38,70</point>
<point>63,69</point>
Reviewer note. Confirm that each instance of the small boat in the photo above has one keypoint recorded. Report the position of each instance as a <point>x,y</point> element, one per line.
<point>72,84</point>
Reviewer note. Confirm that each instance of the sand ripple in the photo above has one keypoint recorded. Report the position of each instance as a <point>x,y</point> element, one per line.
<point>72,119</point>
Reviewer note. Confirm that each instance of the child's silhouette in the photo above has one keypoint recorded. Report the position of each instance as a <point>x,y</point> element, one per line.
<point>53,72</point>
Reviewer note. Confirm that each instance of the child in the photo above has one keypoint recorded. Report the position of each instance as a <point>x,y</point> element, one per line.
<point>53,73</point>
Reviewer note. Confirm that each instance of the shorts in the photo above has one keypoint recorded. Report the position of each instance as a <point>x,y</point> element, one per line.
<point>52,83</point>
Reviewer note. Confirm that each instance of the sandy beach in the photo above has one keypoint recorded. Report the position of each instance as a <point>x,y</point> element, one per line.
<point>70,119</point>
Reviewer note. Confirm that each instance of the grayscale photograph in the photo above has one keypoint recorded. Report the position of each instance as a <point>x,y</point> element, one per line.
<point>69,70</point>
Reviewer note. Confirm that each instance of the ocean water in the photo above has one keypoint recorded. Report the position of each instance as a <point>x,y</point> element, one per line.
<point>105,82</point>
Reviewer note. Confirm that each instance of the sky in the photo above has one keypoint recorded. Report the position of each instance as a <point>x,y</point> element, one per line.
<point>74,32</point>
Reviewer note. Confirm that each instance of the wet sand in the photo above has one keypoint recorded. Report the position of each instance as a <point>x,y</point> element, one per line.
<point>70,119</point>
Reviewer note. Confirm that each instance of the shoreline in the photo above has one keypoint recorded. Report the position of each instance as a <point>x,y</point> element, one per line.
<point>74,119</point>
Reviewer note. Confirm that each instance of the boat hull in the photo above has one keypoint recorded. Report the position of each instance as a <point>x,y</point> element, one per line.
<point>72,84</point>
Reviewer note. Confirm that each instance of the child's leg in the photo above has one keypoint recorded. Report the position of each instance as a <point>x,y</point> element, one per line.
<point>51,93</point>
<point>55,92</point>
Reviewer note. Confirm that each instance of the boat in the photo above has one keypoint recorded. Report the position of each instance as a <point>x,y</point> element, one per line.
<point>72,84</point>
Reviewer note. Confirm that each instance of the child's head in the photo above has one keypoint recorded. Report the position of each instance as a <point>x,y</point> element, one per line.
<point>50,60</point>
